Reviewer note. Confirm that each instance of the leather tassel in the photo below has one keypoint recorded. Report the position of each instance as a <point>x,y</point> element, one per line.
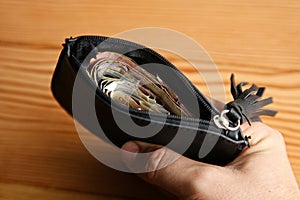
<point>248,104</point>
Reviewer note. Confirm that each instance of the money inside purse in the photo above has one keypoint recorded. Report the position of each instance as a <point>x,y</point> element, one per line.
<point>125,82</point>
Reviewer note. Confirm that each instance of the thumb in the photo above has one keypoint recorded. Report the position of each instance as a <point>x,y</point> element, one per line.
<point>163,167</point>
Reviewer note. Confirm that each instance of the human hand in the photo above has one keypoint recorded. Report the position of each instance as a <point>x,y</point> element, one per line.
<point>262,171</point>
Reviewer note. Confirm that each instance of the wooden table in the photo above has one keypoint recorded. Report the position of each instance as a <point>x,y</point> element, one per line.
<point>41,155</point>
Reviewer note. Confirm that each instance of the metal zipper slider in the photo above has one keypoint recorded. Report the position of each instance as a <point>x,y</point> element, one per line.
<point>224,123</point>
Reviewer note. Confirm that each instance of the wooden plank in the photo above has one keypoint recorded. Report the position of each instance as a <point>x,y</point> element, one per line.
<point>233,32</point>
<point>23,192</point>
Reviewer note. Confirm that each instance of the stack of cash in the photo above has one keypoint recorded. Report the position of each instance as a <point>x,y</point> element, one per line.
<point>124,81</point>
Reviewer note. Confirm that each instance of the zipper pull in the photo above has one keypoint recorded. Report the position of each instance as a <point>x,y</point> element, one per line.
<point>224,123</point>
<point>247,104</point>
<point>233,132</point>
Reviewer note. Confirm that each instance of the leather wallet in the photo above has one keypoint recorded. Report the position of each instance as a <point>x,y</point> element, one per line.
<point>133,91</point>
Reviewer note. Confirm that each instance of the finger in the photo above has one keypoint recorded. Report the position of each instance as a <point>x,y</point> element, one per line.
<point>164,167</point>
<point>263,135</point>
<point>265,145</point>
<point>245,126</point>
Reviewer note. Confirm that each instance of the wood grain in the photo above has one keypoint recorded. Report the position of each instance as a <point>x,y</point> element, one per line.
<point>41,155</point>
<point>23,192</point>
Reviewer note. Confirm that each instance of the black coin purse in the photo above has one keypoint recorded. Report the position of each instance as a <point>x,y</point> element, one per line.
<point>124,91</point>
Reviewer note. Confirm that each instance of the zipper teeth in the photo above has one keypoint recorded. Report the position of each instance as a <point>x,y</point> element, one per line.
<point>138,46</point>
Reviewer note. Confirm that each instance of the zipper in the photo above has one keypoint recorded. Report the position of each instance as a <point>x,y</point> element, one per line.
<point>218,121</point>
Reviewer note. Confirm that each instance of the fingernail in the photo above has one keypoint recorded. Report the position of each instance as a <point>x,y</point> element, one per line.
<point>146,147</point>
<point>131,147</point>
<point>129,154</point>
